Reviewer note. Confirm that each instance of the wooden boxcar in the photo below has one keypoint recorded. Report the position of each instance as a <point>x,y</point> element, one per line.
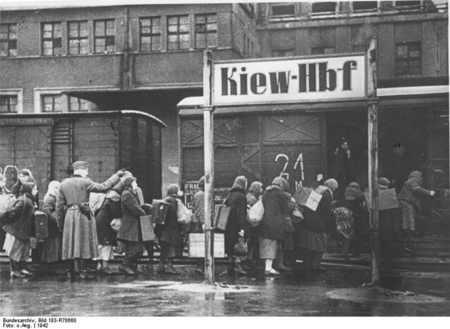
<point>48,143</point>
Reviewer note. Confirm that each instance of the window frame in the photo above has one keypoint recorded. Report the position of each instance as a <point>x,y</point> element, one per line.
<point>206,32</point>
<point>79,38</point>
<point>152,35</point>
<point>178,33</point>
<point>105,36</point>
<point>283,4</point>
<point>10,41</point>
<point>8,106</point>
<point>54,96</point>
<point>79,101</point>
<point>52,39</point>
<point>408,59</point>
<point>324,13</point>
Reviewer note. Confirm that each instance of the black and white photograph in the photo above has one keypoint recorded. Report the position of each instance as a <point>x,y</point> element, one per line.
<point>233,160</point>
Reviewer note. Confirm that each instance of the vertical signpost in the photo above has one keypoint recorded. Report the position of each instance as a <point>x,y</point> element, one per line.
<point>208,124</point>
<point>372,119</point>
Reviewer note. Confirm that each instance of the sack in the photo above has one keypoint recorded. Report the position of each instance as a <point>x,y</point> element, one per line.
<point>116,223</point>
<point>256,213</point>
<point>221,214</point>
<point>241,247</point>
<point>148,234</point>
<point>184,215</point>
<point>6,204</point>
<point>96,201</point>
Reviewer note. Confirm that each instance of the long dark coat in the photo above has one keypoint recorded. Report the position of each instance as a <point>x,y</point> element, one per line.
<point>22,212</point>
<point>110,209</point>
<point>50,209</point>
<point>316,221</point>
<point>130,230</point>
<point>237,202</point>
<point>170,232</point>
<point>276,206</point>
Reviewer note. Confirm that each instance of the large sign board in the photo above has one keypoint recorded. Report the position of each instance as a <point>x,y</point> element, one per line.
<point>290,80</point>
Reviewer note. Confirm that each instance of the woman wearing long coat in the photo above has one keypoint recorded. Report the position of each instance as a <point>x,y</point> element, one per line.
<point>313,235</point>
<point>130,230</point>
<point>272,228</point>
<point>169,234</point>
<point>51,247</point>
<point>18,232</point>
<point>409,203</point>
<point>236,224</point>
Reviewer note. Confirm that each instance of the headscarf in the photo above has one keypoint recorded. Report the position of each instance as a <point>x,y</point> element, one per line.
<point>281,183</point>
<point>26,188</point>
<point>352,192</point>
<point>414,180</point>
<point>239,183</point>
<point>332,184</point>
<point>51,189</point>
<point>173,189</point>
<point>256,188</point>
<point>28,173</point>
<point>383,182</point>
<point>125,182</point>
<point>201,183</point>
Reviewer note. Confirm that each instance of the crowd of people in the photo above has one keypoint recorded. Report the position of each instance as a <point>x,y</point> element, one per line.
<point>288,230</point>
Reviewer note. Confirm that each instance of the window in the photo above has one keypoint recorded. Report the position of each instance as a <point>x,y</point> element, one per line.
<point>283,53</point>
<point>51,103</point>
<point>150,34</point>
<point>283,9</point>
<point>322,50</point>
<point>104,36</point>
<point>407,4</point>
<point>78,38</point>
<point>408,59</point>
<point>178,32</point>
<point>324,7</point>
<point>8,40</point>
<point>51,39</point>
<point>365,5</point>
<point>77,104</point>
<point>8,104</point>
<point>205,31</point>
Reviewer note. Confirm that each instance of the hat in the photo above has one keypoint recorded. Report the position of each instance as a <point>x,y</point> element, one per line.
<point>384,181</point>
<point>80,165</point>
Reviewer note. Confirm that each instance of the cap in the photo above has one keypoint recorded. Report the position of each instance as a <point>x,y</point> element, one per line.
<point>80,165</point>
<point>384,181</point>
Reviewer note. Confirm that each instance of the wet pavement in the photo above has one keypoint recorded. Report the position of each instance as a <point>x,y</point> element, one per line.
<point>152,294</point>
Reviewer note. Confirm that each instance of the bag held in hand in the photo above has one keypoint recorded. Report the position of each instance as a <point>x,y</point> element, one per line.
<point>41,225</point>
<point>221,214</point>
<point>184,215</point>
<point>116,223</point>
<point>256,213</point>
<point>241,247</point>
<point>148,234</point>
<point>159,211</point>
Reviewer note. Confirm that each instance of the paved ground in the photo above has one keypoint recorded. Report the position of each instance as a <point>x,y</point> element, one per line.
<point>151,294</point>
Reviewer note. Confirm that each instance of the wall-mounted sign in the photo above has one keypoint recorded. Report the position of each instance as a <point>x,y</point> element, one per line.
<point>290,80</point>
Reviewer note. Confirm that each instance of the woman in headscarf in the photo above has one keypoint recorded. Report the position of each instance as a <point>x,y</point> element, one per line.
<point>254,193</point>
<point>409,203</point>
<point>198,219</point>
<point>52,245</point>
<point>25,176</point>
<point>18,232</point>
<point>272,228</point>
<point>236,224</point>
<point>344,212</point>
<point>169,234</point>
<point>313,236</point>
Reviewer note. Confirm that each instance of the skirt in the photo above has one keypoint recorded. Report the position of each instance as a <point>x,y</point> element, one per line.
<point>17,249</point>
<point>408,215</point>
<point>79,236</point>
<point>313,241</point>
<point>269,249</point>
<point>51,250</point>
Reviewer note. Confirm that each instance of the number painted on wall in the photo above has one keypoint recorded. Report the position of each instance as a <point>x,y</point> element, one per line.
<point>297,164</point>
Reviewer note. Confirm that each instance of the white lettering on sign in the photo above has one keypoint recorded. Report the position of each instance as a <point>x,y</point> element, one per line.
<point>298,162</point>
<point>290,80</point>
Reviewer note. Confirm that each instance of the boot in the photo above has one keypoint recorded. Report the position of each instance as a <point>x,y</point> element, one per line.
<point>230,270</point>
<point>70,274</point>
<point>15,273</point>
<point>170,269</point>
<point>84,275</point>
<point>161,267</point>
<point>316,262</point>
<point>24,269</point>
<point>239,270</point>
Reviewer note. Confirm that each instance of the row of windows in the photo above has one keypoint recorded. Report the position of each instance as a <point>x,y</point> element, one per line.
<point>408,57</point>
<point>49,103</point>
<point>288,9</point>
<point>150,38</point>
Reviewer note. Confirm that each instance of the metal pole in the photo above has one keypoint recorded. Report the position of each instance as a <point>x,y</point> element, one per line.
<point>373,160</point>
<point>208,124</point>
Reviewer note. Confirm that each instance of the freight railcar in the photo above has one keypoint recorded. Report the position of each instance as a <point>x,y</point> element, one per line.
<point>48,143</point>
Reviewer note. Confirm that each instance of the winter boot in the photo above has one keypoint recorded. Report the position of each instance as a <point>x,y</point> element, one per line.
<point>15,272</point>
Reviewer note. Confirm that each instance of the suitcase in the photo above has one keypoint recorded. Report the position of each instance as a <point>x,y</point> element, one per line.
<point>308,198</point>
<point>159,211</point>
<point>197,245</point>
<point>387,199</point>
<point>41,225</point>
<point>221,214</point>
<point>148,233</point>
